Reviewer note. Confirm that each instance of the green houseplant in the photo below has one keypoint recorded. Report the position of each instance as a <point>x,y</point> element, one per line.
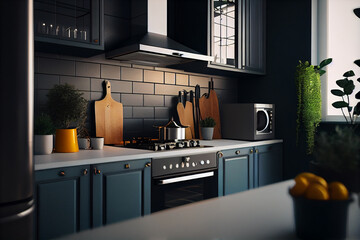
<point>347,88</point>
<point>308,87</point>
<point>43,138</point>
<point>207,128</point>
<point>67,109</point>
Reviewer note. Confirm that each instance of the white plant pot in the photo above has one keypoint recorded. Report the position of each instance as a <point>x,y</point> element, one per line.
<point>43,144</point>
<point>84,143</point>
<point>207,133</point>
<point>97,143</point>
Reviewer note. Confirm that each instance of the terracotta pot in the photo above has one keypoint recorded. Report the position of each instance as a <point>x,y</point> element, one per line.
<point>66,141</point>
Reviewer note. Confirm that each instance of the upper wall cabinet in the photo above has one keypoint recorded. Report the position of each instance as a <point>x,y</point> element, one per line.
<point>233,31</point>
<point>70,26</point>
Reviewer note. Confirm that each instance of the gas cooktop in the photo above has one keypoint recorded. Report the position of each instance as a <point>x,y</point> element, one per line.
<point>158,145</point>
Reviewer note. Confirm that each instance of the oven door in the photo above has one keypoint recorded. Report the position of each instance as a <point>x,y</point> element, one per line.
<point>172,191</point>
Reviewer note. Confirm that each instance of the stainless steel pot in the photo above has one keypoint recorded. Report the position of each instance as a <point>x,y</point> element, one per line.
<point>171,131</point>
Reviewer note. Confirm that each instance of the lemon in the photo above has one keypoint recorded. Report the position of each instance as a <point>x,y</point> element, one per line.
<point>308,175</point>
<point>338,191</point>
<point>301,184</point>
<point>320,181</point>
<point>317,191</point>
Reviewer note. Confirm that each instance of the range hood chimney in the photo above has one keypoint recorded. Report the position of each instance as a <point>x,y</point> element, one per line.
<point>154,48</point>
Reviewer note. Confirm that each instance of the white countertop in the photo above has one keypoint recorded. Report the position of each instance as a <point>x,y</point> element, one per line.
<point>114,154</point>
<point>262,213</point>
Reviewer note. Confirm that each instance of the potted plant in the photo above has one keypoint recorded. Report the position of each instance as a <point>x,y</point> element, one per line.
<point>308,87</point>
<point>337,157</point>
<point>66,107</point>
<point>207,128</point>
<point>43,138</point>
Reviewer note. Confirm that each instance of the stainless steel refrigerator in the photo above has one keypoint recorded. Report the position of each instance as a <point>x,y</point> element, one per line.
<point>16,119</point>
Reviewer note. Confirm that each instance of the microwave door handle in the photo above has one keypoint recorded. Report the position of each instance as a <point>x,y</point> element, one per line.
<point>186,178</point>
<point>267,119</point>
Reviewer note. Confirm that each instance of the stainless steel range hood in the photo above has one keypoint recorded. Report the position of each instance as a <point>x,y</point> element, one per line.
<point>154,48</point>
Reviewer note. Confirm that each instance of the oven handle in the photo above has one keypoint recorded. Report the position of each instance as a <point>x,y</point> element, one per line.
<point>186,178</point>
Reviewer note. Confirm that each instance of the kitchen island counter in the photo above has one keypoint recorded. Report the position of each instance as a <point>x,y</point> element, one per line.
<point>263,213</point>
<point>115,154</point>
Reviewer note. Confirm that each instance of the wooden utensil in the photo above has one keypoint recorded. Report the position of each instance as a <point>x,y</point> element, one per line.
<point>109,118</point>
<point>186,116</point>
<point>209,107</point>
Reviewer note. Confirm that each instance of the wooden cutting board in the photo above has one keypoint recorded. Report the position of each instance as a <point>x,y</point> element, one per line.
<point>209,107</point>
<point>109,118</point>
<point>186,117</point>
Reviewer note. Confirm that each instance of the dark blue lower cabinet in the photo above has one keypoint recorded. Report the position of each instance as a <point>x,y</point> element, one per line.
<point>236,171</point>
<point>245,168</point>
<point>120,191</point>
<point>270,164</point>
<point>62,201</point>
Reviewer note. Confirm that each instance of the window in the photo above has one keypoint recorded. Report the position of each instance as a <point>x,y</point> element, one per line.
<point>336,34</point>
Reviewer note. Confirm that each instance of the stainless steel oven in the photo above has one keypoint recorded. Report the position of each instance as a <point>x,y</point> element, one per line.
<point>181,180</point>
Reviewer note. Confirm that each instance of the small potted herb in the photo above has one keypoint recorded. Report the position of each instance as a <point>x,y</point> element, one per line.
<point>67,109</point>
<point>43,138</point>
<point>207,128</point>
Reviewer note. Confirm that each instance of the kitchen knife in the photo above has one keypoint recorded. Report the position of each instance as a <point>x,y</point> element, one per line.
<point>197,112</point>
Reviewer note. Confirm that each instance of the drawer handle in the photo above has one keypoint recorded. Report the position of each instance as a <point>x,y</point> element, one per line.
<point>148,164</point>
<point>237,152</point>
<point>257,150</point>
<point>62,173</point>
<point>220,154</point>
<point>85,172</point>
<point>127,166</point>
<point>251,151</point>
<point>96,171</point>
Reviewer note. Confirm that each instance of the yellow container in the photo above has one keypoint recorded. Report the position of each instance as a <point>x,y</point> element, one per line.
<point>66,141</point>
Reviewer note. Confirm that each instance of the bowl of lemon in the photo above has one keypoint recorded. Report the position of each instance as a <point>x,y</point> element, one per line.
<point>320,208</point>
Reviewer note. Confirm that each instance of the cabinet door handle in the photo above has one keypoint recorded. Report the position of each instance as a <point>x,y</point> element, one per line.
<point>251,151</point>
<point>62,173</point>
<point>85,172</point>
<point>96,171</point>
<point>237,152</point>
<point>127,166</point>
<point>257,150</point>
<point>148,164</point>
<point>220,154</point>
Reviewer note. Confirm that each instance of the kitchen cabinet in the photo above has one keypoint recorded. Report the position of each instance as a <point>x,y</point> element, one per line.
<point>232,31</point>
<point>62,201</point>
<point>69,26</point>
<point>269,163</point>
<point>120,191</point>
<point>245,168</point>
<point>236,170</point>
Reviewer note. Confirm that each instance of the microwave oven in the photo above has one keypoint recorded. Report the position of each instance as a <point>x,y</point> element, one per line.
<point>248,121</point>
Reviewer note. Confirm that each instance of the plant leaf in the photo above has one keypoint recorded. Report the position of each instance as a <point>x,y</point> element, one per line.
<point>357,96</point>
<point>342,82</point>
<point>357,62</point>
<point>357,109</point>
<point>340,104</point>
<point>325,62</point>
<point>349,74</point>
<point>337,92</point>
<point>321,72</point>
<point>349,87</point>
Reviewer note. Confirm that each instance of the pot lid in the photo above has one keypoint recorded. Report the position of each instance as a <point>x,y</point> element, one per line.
<point>172,124</point>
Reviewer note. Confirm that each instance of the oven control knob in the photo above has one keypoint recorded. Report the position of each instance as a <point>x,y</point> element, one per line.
<point>193,164</point>
<point>177,165</point>
<point>186,159</point>
<point>202,162</point>
<point>187,164</point>
<point>170,166</point>
<point>208,161</point>
<point>182,165</point>
<point>164,167</point>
